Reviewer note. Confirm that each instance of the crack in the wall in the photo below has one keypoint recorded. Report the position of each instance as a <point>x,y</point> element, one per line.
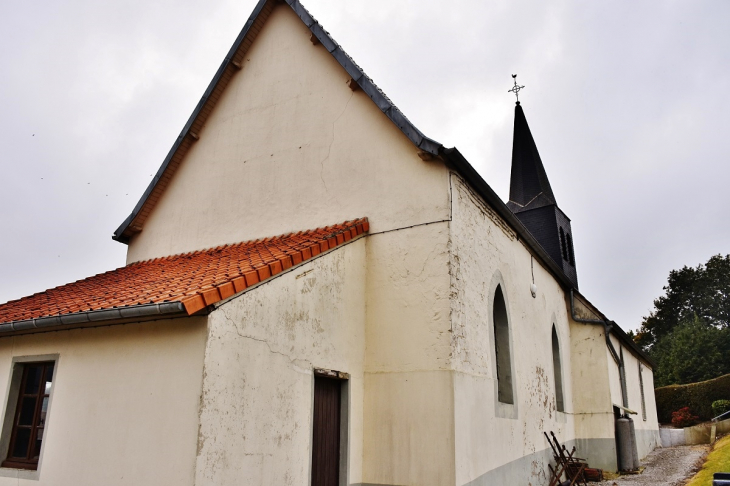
<point>437,248</point>
<point>332,141</point>
<point>233,324</point>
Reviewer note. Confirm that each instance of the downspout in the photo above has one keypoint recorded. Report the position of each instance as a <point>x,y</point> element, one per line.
<point>607,326</point>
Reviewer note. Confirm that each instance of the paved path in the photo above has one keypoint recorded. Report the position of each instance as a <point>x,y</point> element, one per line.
<point>668,466</point>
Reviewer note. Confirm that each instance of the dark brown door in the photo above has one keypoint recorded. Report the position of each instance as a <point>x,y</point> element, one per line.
<point>326,441</point>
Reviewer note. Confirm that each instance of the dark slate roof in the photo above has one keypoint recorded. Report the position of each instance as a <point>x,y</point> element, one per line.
<point>529,186</point>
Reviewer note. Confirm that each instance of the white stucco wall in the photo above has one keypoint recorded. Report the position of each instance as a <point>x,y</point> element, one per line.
<point>124,406</point>
<point>647,431</point>
<point>613,373</point>
<point>409,413</point>
<point>290,147</point>
<point>592,399</point>
<point>256,410</point>
<point>485,253</point>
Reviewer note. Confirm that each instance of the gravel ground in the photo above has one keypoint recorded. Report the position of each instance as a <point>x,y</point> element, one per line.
<point>669,466</point>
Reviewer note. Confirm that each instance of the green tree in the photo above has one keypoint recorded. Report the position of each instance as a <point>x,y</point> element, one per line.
<point>693,351</point>
<point>703,292</point>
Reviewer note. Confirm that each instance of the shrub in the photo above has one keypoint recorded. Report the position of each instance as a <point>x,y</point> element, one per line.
<point>720,406</point>
<point>696,396</point>
<point>684,418</point>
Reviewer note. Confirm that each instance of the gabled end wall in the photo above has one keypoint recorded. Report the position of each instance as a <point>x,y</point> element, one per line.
<point>290,146</point>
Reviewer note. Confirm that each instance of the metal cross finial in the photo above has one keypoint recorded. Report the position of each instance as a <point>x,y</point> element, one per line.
<point>516,89</point>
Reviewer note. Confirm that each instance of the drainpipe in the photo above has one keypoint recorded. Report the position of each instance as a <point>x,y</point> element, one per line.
<point>607,326</point>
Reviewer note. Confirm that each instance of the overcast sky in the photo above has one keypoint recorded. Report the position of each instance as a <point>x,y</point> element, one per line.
<point>627,101</point>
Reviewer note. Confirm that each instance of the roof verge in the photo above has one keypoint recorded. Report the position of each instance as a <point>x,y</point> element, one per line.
<point>229,67</point>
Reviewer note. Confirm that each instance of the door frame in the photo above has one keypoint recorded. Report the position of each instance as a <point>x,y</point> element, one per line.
<point>344,378</point>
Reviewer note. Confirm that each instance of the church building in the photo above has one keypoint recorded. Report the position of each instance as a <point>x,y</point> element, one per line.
<point>317,293</point>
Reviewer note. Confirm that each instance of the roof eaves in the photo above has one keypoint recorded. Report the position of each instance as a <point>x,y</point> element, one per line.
<point>99,317</point>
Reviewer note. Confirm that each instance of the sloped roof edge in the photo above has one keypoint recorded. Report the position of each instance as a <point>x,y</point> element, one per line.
<point>618,331</point>
<point>466,170</point>
<point>226,70</point>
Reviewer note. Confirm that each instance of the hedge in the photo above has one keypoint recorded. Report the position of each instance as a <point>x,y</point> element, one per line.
<point>720,407</point>
<point>697,396</point>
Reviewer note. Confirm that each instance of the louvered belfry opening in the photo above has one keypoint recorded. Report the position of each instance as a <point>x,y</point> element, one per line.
<point>326,440</point>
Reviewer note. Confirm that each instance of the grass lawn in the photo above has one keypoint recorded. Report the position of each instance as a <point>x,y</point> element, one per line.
<point>718,460</point>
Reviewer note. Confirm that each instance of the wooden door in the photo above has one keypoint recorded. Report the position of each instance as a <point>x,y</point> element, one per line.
<point>326,440</point>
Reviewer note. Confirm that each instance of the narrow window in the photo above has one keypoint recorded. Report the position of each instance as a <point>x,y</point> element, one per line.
<point>563,246</point>
<point>558,372</point>
<point>641,386</point>
<point>571,255</point>
<point>31,413</point>
<point>622,376</point>
<point>501,348</point>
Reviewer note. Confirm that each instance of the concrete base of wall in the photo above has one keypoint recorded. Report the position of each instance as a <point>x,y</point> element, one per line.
<point>647,441</point>
<point>600,453</point>
<point>699,434</point>
<point>671,437</point>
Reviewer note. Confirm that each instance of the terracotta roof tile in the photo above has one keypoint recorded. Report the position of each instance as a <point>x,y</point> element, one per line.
<point>196,279</point>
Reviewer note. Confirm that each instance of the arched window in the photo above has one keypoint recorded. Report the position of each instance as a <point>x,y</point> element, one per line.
<point>558,371</point>
<point>501,348</point>
<point>563,245</point>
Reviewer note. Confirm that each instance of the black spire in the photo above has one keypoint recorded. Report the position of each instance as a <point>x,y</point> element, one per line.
<point>529,186</point>
<point>531,199</point>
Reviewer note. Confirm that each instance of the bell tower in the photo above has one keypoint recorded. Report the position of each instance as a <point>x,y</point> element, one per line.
<point>531,199</point>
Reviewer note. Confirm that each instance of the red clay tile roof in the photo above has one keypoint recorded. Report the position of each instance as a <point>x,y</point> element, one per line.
<point>195,279</point>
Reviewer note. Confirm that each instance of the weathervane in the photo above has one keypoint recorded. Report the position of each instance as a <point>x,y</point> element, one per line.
<point>516,89</point>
